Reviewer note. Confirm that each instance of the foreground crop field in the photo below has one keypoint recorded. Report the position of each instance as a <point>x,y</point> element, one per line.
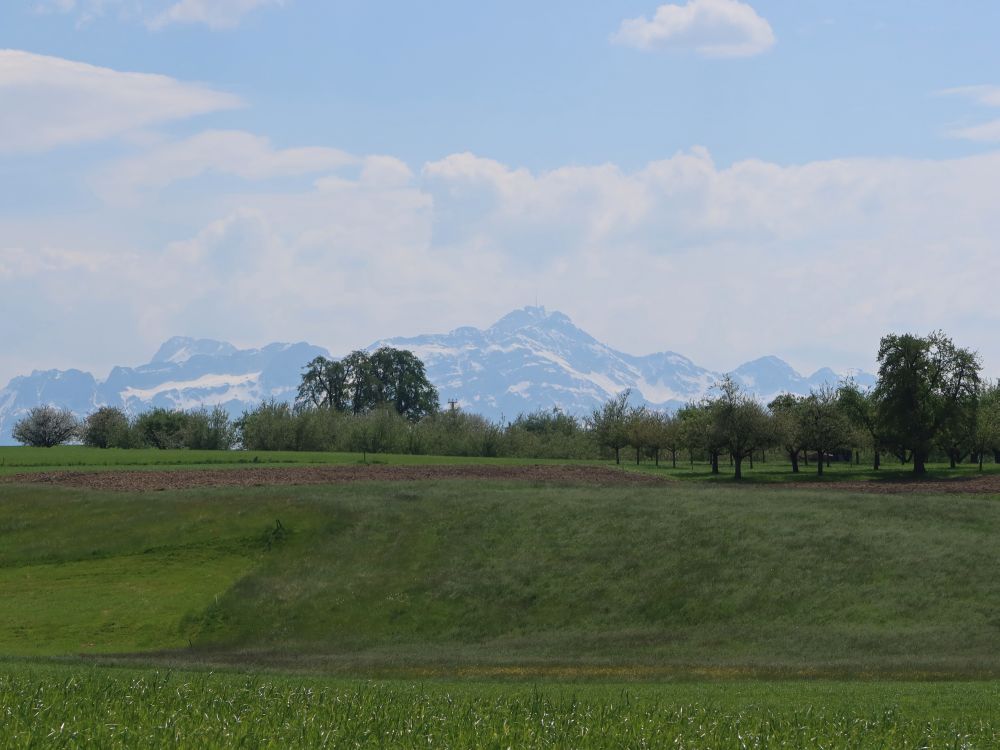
<point>110,708</point>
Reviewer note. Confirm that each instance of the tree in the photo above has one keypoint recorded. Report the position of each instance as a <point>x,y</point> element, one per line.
<point>986,436</point>
<point>324,385</point>
<point>925,385</point>
<point>401,381</point>
<point>740,422</point>
<point>699,432</point>
<point>659,432</point>
<point>786,414</point>
<point>45,427</point>
<point>609,423</point>
<point>108,427</point>
<point>361,382</point>
<point>670,436</point>
<point>860,407</point>
<point>824,427</point>
<point>639,430</point>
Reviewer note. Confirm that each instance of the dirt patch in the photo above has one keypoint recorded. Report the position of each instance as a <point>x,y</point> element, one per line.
<point>988,484</point>
<point>182,479</point>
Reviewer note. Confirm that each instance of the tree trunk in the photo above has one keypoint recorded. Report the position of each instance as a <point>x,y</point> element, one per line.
<point>794,455</point>
<point>819,463</point>
<point>673,458</point>
<point>636,456</point>
<point>715,462</point>
<point>738,468</point>
<point>751,460</point>
<point>618,458</point>
<point>980,461</point>
<point>918,463</point>
<point>857,458</point>
<point>805,456</point>
<point>996,456</point>
<point>951,459</point>
<point>656,455</point>
<point>878,459</point>
<point>829,457</point>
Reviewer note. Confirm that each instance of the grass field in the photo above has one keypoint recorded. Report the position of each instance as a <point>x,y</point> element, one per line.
<point>22,460</point>
<point>387,577</point>
<point>46,706</point>
<point>497,614</point>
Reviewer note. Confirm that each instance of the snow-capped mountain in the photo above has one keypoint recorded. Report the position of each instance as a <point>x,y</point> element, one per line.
<point>183,374</point>
<point>533,359</point>
<point>530,359</point>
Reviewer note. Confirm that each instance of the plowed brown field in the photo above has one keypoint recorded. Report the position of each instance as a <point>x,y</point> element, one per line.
<point>147,481</point>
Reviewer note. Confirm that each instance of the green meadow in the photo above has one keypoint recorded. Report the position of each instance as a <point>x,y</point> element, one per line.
<point>464,613</point>
<point>775,469</point>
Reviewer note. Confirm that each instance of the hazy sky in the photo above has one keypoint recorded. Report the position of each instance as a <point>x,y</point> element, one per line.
<point>722,179</point>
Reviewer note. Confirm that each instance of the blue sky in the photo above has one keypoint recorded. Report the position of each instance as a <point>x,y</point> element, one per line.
<point>719,178</point>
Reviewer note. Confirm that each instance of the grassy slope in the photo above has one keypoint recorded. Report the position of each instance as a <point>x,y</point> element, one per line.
<point>515,579</point>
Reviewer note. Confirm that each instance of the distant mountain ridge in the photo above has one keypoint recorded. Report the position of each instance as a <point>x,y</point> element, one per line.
<point>530,359</point>
<point>533,359</point>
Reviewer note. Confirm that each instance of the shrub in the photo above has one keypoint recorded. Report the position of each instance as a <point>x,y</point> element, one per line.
<point>269,427</point>
<point>108,427</point>
<point>209,430</point>
<point>162,428</point>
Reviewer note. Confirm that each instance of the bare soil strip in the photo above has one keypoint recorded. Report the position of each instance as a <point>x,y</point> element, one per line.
<point>988,484</point>
<point>151,481</point>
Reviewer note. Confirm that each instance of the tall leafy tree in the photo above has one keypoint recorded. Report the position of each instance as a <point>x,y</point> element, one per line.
<point>361,382</point>
<point>324,385</point>
<point>925,385</point>
<point>400,380</point>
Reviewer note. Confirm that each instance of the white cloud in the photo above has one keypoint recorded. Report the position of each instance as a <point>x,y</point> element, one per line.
<point>988,96</point>
<point>985,95</point>
<point>216,14</point>
<point>158,14</point>
<point>710,28</point>
<point>229,152</point>
<point>50,102</point>
<point>987,132</point>
<point>722,263</point>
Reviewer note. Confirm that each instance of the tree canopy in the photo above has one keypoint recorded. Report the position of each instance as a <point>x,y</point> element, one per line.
<point>362,382</point>
<point>925,386</point>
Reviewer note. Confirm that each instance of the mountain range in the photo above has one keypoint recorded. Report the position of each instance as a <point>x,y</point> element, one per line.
<point>528,360</point>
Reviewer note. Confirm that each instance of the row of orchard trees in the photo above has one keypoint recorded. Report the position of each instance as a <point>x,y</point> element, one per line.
<point>929,399</point>
<point>275,425</point>
<point>112,427</point>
